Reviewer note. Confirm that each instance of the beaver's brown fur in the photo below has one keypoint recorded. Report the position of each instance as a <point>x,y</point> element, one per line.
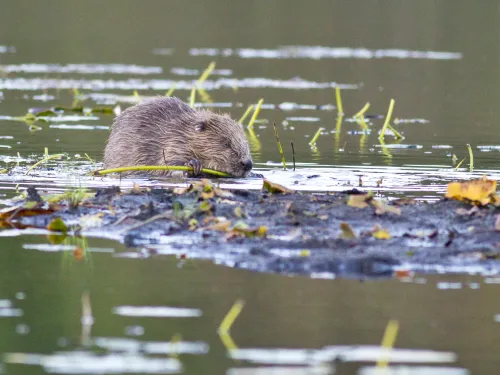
<point>166,131</point>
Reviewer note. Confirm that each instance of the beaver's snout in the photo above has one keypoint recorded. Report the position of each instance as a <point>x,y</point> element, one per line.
<point>247,165</point>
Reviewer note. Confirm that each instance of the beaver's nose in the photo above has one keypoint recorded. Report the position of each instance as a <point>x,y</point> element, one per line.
<point>247,165</point>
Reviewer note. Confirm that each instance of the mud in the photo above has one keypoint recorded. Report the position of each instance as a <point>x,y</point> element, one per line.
<point>287,233</point>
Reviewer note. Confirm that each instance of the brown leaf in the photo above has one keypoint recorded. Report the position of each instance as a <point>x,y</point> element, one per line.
<point>347,232</point>
<point>382,208</point>
<point>359,200</point>
<point>276,188</point>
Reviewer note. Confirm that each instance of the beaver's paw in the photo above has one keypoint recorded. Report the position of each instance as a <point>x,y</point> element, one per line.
<point>196,165</point>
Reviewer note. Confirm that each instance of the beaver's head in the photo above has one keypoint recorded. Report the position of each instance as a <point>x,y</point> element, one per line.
<point>220,144</point>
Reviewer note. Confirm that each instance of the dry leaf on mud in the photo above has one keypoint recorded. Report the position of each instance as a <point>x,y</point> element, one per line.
<point>276,188</point>
<point>347,232</point>
<point>359,200</point>
<point>480,191</point>
<point>380,233</point>
<point>222,226</point>
<point>497,223</point>
<point>241,231</point>
<point>383,208</point>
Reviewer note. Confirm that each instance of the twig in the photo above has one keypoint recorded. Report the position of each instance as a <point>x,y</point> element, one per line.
<point>279,146</point>
<point>158,168</point>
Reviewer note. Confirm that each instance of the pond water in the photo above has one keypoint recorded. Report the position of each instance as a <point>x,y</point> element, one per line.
<point>437,60</point>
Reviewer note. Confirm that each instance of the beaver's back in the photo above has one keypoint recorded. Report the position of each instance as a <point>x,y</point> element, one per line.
<point>140,134</point>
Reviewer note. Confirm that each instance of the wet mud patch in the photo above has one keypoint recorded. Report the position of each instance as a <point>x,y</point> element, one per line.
<point>346,234</point>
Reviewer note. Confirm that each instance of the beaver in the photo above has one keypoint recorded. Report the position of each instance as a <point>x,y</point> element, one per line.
<point>166,131</point>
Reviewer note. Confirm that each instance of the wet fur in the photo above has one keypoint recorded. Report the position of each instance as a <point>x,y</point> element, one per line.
<point>166,131</point>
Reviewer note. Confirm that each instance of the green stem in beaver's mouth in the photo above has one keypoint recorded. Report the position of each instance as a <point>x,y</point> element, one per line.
<point>101,172</point>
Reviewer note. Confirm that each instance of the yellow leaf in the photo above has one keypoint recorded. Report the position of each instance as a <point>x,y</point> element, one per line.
<point>193,224</point>
<point>480,191</point>
<point>380,233</point>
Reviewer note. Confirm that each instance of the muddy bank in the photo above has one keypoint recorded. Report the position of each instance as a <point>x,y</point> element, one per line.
<point>318,235</point>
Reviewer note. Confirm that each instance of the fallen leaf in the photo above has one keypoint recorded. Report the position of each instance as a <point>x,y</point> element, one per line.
<point>497,223</point>
<point>205,206</point>
<point>276,188</point>
<point>136,189</point>
<point>480,191</point>
<point>404,201</point>
<point>183,190</point>
<point>222,226</point>
<point>383,208</point>
<point>380,234</point>
<point>403,274</point>
<point>238,212</point>
<point>359,200</point>
<point>305,253</point>
<point>207,194</point>
<point>464,212</point>
<point>347,232</point>
<point>260,231</point>
<point>193,224</point>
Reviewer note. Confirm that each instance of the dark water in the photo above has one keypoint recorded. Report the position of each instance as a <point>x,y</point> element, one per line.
<point>438,60</point>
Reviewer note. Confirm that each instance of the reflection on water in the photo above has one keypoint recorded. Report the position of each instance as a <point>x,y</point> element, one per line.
<point>85,313</point>
<point>58,303</point>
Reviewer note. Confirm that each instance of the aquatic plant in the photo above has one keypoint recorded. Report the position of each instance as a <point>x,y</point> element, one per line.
<point>282,154</point>
<point>255,114</point>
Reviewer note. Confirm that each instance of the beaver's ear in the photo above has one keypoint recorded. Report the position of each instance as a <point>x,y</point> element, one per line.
<point>200,126</point>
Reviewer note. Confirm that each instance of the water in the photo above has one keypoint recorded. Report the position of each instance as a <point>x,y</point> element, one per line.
<point>438,60</point>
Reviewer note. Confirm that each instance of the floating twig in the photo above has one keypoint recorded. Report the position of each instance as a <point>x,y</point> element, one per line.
<point>255,113</point>
<point>45,159</point>
<point>279,146</point>
<point>101,172</point>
